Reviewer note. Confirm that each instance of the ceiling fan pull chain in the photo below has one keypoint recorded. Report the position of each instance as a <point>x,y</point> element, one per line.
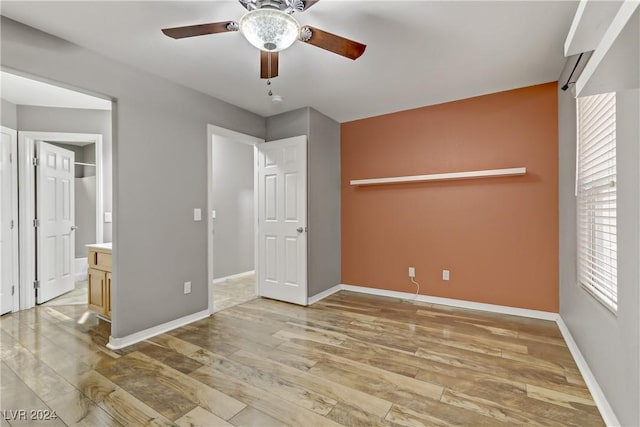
<point>269,72</point>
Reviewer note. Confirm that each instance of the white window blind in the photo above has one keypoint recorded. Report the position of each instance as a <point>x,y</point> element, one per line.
<point>596,197</point>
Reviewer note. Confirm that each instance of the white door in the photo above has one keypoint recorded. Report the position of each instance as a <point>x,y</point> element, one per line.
<point>8,257</point>
<point>282,220</point>
<point>55,202</point>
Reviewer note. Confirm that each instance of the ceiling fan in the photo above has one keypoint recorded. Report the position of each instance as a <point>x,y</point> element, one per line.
<point>269,26</point>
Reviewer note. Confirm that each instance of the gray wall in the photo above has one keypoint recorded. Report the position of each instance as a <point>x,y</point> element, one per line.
<point>286,125</point>
<point>233,228</point>
<point>159,172</point>
<point>324,203</point>
<point>85,192</point>
<point>72,120</point>
<point>324,238</point>
<point>8,118</point>
<point>609,343</point>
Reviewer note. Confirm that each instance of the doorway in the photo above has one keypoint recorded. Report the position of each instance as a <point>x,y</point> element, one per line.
<point>40,112</point>
<point>8,221</point>
<point>87,211</point>
<point>232,219</point>
<point>85,191</point>
<point>279,218</point>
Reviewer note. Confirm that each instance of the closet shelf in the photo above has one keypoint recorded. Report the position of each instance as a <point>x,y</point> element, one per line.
<point>84,164</point>
<point>489,173</point>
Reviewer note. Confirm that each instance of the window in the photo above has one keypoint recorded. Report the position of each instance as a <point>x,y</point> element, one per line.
<point>596,197</point>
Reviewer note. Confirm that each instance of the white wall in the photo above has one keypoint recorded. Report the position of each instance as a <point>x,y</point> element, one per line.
<point>159,172</point>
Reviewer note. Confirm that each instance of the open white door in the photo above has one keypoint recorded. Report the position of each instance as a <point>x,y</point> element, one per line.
<point>282,220</point>
<point>55,207</point>
<point>8,221</point>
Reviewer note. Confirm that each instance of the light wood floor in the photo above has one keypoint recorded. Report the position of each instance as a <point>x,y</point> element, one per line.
<point>351,359</point>
<point>78,296</point>
<point>233,292</point>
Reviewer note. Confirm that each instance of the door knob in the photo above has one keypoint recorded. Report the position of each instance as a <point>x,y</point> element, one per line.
<point>299,229</point>
<point>74,228</point>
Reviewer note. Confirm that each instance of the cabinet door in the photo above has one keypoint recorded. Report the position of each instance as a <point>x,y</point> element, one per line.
<point>96,290</point>
<point>108,298</point>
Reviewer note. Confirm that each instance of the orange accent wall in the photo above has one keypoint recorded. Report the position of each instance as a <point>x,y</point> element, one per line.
<point>497,236</point>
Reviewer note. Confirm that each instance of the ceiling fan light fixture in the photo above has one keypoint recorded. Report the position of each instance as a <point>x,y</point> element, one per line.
<point>269,29</point>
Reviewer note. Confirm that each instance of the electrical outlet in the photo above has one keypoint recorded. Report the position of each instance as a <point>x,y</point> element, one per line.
<point>197,214</point>
<point>187,287</point>
<point>445,274</point>
<point>412,272</point>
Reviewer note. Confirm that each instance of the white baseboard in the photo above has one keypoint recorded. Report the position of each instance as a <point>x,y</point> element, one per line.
<point>599,398</point>
<point>118,343</point>
<point>514,311</point>
<point>81,265</point>
<point>234,276</point>
<point>322,295</point>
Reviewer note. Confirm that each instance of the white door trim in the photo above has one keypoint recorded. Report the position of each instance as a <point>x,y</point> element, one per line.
<point>15,247</point>
<point>26,179</point>
<point>212,131</point>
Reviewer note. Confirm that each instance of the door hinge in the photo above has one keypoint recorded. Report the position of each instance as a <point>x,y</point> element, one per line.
<point>12,224</point>
<point>36,284</point>
<point>36,161</point>
<point>13,290</point>
<point>10,157</point>
<point>36,223</point>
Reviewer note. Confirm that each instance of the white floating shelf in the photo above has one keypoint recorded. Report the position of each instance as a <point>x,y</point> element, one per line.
<point>442,176</point>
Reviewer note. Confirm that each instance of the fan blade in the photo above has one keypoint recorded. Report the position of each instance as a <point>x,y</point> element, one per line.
<point>331,42</point>
<point>268,64</point>
<point>309,3</point>
<point>200,30</point>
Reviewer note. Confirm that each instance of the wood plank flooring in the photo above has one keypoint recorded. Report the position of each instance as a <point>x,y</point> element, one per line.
<point>351,359</point>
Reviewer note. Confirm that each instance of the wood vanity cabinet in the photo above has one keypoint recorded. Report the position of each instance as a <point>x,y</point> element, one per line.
<point>99,281</point>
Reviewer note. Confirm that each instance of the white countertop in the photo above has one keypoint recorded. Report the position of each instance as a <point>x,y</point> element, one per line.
<point>103,246</point>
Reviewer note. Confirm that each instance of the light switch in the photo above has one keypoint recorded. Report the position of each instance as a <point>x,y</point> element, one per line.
<point>197,214</point>
<point>108,217</point>
<point>213,214</point>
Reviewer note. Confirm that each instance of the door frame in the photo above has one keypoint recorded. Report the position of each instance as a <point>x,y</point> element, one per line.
<point>26,180</point>
<point>212,131</point>
<point>15,247</point>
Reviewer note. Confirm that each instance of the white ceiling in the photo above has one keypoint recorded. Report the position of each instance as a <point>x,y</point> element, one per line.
<point>22,91</point>
<point>419,52</point>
